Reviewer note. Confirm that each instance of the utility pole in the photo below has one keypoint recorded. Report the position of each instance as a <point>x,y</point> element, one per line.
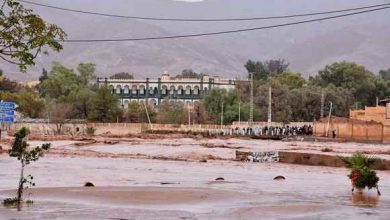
<point>269,106</point>
<point>377,101</point>
<point>330,114</point>
<point>239,112</point>
<point>147,114</point>
<point>322,102</point>
<point>189,115</point>
<point>251,102</point>
<point>222,116</point>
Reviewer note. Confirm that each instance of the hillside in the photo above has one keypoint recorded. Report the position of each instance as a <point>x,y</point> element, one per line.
<point>307,47</point>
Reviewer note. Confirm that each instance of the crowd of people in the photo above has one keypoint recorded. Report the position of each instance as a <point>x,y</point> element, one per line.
<point>306,130</point>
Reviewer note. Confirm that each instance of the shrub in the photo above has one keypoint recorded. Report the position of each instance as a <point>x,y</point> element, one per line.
<point>90,130</point>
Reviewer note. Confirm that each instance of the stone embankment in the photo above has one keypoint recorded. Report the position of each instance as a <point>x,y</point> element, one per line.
<point>302,158</point>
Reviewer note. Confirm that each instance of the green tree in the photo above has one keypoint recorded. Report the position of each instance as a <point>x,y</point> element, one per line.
<point>9,85</point>
<point>305,103</point>
<point>60,83</point>
<point>86,73</point>
<point>44,75</point>
<point>59,114</point>
<point>82,100</point>
<point>212,103</point>
<point>199,114</point>
<point>171,113</point>
<point>385,74</point>
<point>105,106</point>
<point>30,104</point>
<point>258,69</point>
<point>189,74</point>
<point>281,109</point>
<point>8,96</point>
<point>291,79</point>
<point>134,112</point>
<point>276,67</point>
<point>25,155</point>
<point>122,75</point>
<point>263,70</point>
<point>24,35</point>
<point>351,76</point>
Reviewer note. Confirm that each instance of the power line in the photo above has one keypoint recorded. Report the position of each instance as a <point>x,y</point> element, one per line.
<point>223,32</point>
<point>202,20</point>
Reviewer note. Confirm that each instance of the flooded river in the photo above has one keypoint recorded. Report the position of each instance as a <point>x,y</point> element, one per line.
<point>158,189</point>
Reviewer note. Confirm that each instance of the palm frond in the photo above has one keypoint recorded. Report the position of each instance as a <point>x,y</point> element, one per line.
<point>358,161</point>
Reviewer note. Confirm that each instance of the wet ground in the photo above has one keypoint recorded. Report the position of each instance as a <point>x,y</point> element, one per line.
<point>133,188</point>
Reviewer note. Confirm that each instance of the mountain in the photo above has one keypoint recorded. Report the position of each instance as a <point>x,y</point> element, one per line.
<point>308,47</point>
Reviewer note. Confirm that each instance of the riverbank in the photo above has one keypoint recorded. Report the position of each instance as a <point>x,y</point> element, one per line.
<point>156,189</point>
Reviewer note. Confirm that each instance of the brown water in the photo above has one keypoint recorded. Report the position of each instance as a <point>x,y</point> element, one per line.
<point>248,192</point>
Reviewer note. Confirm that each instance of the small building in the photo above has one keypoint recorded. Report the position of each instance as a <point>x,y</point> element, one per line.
<point>380,113</point>
<point>166,88</point>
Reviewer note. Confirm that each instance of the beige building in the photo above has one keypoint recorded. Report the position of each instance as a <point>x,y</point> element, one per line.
<point>379,114</point>
<point>165,88</point>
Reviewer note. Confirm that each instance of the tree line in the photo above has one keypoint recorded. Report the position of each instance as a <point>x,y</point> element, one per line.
<point>64,94</point>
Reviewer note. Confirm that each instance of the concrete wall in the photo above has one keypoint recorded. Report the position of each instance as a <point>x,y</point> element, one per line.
<point>117,128</point>
<point>48,129</point>
<point>276,124</point>
<point>353,130</point>
<point>306,159</point>
<point>377,114</point>
<point>108,128</point>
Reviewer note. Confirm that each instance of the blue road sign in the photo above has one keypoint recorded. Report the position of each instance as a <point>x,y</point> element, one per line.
<point>7,113</point>
<point>7,119</point>
<point>8,105</point>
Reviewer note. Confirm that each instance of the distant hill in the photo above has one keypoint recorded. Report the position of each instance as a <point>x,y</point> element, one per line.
<point>308,47</point>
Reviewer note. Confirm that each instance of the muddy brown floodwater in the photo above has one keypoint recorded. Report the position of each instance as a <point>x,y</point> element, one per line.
<point>128,187</point>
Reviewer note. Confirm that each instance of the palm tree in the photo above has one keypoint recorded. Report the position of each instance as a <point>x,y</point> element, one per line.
<point>362,175</point>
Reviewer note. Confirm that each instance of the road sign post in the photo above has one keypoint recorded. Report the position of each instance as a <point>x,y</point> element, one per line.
<point>7,114</point>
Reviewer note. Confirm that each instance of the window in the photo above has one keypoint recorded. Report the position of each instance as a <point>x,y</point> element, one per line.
<point>134,89</point>
<point>196,90</point>
<point>172,90</point>
<point>126,91</point>
<point>142,90</point>
<point>180,90</point>
<point>118,89</point>
<point>188,90</point>
<point>164,90</point>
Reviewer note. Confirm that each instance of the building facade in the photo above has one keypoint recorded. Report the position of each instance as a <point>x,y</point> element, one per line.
<point>166,88</point>
<point>380,113</point>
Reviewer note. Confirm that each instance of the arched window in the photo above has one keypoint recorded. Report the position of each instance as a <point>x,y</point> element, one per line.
<point>126,90</point>
<point>188,90</point>
<point>164,90</point>
<point>142,89</point>
<point>196,90</point>
<point>118,89</point>
<point>134,89</point>
<point>180,90</point>
<point>172,90</point>
<point>112,89</point>
<point>126,104</point>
